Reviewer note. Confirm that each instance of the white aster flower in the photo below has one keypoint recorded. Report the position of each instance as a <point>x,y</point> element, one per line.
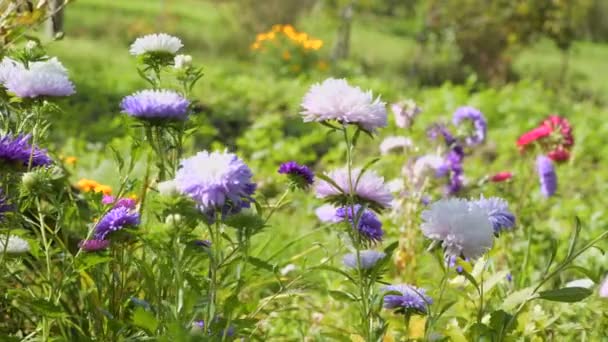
<point>370,187</point>
<point>13,244</point>
<point>393,143</point>
<point>42,78</point>
<point>335,99</point>
<point>158,42</point>
<point>463,228</point>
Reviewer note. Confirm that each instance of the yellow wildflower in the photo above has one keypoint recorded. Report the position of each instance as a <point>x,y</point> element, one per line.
<point>286,55</point>
<point>70,160</point>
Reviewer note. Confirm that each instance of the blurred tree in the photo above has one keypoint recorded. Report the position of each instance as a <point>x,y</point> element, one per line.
<point>488,32</point>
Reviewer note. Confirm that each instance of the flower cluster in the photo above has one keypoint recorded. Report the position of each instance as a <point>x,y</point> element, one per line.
<point>40,78</point>
<point>407,299</point>
<point>88,185</point>
<point>288,51</point>
<point>114,220</point>
<point>276,33</point>
<point>17,150</point>
<point>555,138</point>
<point>554,135</point>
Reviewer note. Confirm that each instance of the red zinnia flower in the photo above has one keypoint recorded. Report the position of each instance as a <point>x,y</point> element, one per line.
<point>557,123</point>
<point>501,176</point>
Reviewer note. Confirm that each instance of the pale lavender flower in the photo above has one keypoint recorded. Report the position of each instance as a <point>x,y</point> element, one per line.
<point>368,258</point>
<point>327,214</point>
<point>405,113</point>
<point>410,299</point>
<point>335,99</point>
<point>216,181</point>
<point>547,176</point>
<point>480,125</point>
<point>498,212</point>
<point>463,228</point>
<point>393,143</point>
<point>603,292</point>
<point>42,78</point>
<point>370,189</point>
<point>155,105</point>
<point>156,43</point>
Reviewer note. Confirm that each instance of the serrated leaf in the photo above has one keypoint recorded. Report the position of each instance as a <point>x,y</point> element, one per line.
<point>144,319</point>
<point>565,294</point>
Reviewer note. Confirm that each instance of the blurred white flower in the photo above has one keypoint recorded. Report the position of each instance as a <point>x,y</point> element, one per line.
<point>158,42</point>
<point>393,143</point>
<point>335,99</point>
<point>168,188</point>
<point>13,244</point>
<point>182,61</point>
<point>463,228</point>
<point>585,283</point>
<point>288,269</point>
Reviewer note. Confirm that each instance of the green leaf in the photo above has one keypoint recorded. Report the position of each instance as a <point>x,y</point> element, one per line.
<point>499,320</point>
<point>566,294</point>
<point>574,238</point>
<point>46,308</point>
<point>145,320</point>
<point>259,263</point>
<point>335,270</point>
<point>89,260</point>
<point>342,296</point>
<point>364,169</point>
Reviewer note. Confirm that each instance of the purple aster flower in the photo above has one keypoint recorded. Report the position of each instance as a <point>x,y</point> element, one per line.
<point>546,173</point>
<point>300,175</point>
<point>18,150</point>
<point>156,105</point>
<point>453,169</point>
<point>114,220</point>
<point>509,277</point>
<point>480,124</point>
<point>216,181</point>
<point>42,78</point>
<point>368,258</point>
<point>93,245</point>
<point>122,202</point>
<point>368,226</point>
<point>438,130</point>
<point>335,99</point>
<point>369,189</point>
<point>409,300</point>
<point>498,212</point>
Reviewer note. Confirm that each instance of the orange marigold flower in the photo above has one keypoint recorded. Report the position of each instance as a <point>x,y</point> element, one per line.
<point>277,28</point>
<point>104,189</point>
<point>86,184</point>
<point>70,160</point>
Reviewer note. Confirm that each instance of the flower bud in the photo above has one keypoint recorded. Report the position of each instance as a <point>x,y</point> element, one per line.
<point>182,61</point>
